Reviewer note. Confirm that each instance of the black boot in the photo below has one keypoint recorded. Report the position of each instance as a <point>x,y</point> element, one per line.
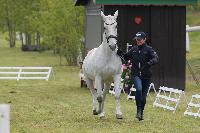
<point>139,114</point>
<point>141,118</point>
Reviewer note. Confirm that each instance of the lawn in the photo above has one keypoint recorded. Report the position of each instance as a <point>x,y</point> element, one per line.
<point>61,106</point>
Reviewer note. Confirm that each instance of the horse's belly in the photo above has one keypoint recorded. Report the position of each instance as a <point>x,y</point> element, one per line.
<point>94,65</point>
<point>107,71</point>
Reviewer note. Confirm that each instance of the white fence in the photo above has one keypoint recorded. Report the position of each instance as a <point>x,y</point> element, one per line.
<point>168,98</point>
<point>4,118</point>
<point>190,29</point>
<point>130,95</point>
<point>112,88</point>
<point>193,108</point>
<point>19,73</point>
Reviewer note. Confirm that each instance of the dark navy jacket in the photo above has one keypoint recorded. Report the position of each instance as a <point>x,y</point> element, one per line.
<point>142,57</point>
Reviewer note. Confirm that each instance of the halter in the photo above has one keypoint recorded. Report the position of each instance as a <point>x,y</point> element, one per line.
<point>111,36</point>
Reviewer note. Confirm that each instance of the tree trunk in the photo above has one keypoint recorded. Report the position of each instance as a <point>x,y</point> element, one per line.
<point>28,38</point>
<point>11,29</point>
<point>12,38</point>
<point>37,38</point>
<point>21,38</point>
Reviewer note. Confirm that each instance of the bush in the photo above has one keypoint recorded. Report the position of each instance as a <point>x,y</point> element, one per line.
<point>126,74</point>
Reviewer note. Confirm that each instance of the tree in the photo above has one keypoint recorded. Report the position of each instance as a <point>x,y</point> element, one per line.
<point>64,28</point>
<point>8,15</point>
<point>57,24</point>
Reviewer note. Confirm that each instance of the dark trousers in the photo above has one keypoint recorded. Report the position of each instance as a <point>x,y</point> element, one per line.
<point>141,86</point>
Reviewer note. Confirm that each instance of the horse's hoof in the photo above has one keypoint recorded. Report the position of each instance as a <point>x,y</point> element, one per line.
<point>101,117</point>
<point>119,116</point>
<point>95,112</point>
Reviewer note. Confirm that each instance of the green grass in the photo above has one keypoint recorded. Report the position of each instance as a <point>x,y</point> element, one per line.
<point>61,106</point>
<point>194,55</point>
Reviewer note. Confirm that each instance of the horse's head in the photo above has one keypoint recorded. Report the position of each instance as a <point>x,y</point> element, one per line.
<point>110,26</point>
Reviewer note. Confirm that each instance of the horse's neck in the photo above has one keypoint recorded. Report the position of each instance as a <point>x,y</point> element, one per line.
<point>104,39</point>
<point>104,46</point>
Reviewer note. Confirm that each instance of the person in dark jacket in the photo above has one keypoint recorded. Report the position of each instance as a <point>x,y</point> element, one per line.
<point>142,57</point>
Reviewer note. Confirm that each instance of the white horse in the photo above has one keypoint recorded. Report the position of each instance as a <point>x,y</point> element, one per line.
<point>101,66</point>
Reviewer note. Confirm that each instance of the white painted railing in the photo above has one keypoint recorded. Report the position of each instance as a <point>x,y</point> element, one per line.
<point>168,98</point>
<point>193,105</point>
<point>194,28</point>
<point>190,29</point>
<point>19,73</point>
<point>4,118</point>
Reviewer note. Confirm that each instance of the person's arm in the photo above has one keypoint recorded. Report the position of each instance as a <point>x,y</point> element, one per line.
<point>154,58</point>
<point>125,56</point>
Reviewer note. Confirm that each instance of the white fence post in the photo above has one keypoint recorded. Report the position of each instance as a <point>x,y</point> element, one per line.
<point>49,72</point>
<point>127,47</point>
<point>18,76</point>
<point>4,118</point>
<point>187,40</point>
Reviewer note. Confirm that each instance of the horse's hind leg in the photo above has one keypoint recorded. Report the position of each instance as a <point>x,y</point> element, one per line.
<point>94,95</point>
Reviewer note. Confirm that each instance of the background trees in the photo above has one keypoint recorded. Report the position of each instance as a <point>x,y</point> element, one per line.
<point>53,24</point>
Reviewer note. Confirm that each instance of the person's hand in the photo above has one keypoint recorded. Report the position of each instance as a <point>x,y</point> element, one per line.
<point>148,64</point>
<point>119,52</point>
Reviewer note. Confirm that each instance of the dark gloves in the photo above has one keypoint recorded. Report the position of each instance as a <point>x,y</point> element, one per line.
<point>148,63</point>
<point>121,55</point>
<point>152,62</point>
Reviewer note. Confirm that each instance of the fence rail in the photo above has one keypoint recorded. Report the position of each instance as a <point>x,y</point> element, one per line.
<point>19,73</point>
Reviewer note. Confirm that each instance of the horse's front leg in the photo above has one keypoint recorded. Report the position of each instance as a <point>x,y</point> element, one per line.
<point>99,87</point>
<point>117,82</point>
<point>93,93</point>
<point>105,91</point>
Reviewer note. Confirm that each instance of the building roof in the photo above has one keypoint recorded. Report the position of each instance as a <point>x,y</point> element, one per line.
<point>81,2</point>
<point>145,2</point>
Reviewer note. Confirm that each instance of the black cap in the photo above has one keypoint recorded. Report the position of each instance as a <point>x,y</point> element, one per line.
<point>140,35</point>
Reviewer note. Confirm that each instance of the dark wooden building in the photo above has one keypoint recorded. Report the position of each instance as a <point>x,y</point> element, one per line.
<point>163,20</point>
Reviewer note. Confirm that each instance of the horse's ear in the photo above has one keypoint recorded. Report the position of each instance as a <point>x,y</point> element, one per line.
<point>102,15</point>
<point>116,14</point>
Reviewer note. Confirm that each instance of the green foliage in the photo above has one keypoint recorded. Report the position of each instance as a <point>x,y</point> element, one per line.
<point>193,57</point>
<point>195,7</point>
<point>58,23</point>
<point>63,28</point>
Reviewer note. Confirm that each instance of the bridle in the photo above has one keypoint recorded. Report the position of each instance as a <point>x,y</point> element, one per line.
<point>110,36</point>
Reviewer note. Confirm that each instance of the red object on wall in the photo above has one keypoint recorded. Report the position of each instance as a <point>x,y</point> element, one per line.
<point>138,20</point>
